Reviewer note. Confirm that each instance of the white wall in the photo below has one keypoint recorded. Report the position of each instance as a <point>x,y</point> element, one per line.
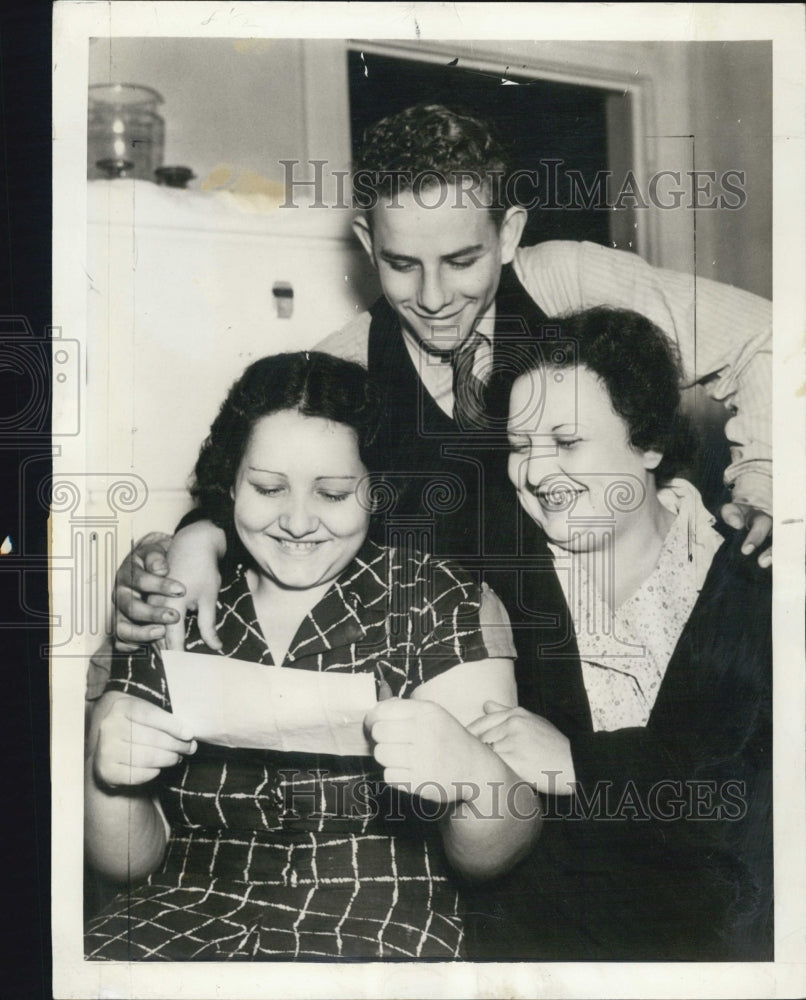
<point>234,109</point>
<point>730,114</point>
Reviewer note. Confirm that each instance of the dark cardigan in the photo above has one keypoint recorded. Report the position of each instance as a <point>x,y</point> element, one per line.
<point>666,851</point>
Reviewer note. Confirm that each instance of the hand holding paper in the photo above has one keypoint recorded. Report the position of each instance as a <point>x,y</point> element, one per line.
<point>136,740</point>
<point>424,749</point>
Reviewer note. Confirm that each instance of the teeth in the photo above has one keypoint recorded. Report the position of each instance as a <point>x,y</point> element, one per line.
<point>558,498</point>
<point>297,546</point>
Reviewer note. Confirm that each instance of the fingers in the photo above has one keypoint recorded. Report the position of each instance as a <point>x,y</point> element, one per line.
<point>733,515</point>
<point>154,560</point>
<point>174,636</point>
<point>156,718</point>
<point>138,621</point>
<point>141,573</point>
<point>759,526</point>
<point>495,706</point>
<point>759,532</point>
<point>398,777</point>
<point>128,636</point>
<point>392,746</point>
<point>497,734</point>
<point>152,551</point>
<point>390,708</point>
<point>155,538</point>
<point>495,714</point>
<point>137,740</point>
<point>205,616</point>
<point>142,756</point>
<point>146,582</point>
<point>155,610</point>
<point>478,727</point>
<point>394,755</point>
<point>391,731</point>
<point>118,763</point>
<point>173,612</point>
<point>128,647</point>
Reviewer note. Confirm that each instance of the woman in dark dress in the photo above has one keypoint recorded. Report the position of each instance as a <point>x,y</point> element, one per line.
<point>232,853</point>
<point>650,730</point>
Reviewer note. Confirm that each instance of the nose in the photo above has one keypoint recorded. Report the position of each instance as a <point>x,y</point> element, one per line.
<point>540,464</point>
<point>296,520</point>
<point>432,295</point>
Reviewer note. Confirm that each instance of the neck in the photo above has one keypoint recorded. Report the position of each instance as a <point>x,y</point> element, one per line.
<point>636,551</point>
<point>281,610</point>
<point>299,601</point>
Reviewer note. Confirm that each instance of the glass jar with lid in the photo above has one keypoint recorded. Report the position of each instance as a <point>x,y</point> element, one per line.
<point>125,134</point>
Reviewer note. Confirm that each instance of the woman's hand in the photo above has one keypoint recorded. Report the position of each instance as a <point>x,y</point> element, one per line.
<point>423,749</point>
<point>135,740</point>
<point>535,749</point>
<point>193,556</point>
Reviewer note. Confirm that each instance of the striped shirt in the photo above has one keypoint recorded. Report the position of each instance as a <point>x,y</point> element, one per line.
<point>723,334</point>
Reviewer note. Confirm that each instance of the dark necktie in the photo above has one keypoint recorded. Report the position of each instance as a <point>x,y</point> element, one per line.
<point>468,389</point>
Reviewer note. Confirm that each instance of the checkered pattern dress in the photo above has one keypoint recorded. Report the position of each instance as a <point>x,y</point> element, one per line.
<point>288,855</point>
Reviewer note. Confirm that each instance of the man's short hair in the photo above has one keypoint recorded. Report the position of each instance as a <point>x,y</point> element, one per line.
<point>428,145</point>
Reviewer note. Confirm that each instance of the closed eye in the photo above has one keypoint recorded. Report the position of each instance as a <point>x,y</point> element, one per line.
<point>462,264</point>
<point>567,443</point>
<point>333,497</point>
<point>267,491</point>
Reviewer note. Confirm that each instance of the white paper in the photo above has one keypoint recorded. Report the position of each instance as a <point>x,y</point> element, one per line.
<point>235,703</point>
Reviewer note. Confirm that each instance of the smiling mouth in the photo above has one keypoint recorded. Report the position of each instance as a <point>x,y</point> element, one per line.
<point>437,320</point>
<point>557,498</point>
<point>297,548</point>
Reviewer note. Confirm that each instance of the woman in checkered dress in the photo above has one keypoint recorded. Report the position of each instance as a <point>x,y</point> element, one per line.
<point>256,854</point>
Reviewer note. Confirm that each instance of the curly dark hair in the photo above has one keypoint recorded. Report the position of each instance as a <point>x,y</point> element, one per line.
<point>638,365</point>
<point>311,382</point>
<point>428,145</point>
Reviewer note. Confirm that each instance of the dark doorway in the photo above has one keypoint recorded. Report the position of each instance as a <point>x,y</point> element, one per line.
<point>548,127</point>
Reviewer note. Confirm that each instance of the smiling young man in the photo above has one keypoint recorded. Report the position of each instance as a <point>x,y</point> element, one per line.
<point>458,289</point>
<point>445,241</point>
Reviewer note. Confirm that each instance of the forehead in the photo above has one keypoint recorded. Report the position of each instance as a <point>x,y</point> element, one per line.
<point>546,396</point>
<point>438,219</point>
<point>301,439</point>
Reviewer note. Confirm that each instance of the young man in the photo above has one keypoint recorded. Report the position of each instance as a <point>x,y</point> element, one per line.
<point>457,288</point>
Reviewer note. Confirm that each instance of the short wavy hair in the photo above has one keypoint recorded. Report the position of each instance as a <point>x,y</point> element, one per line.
<point>637,364</point>
<point>430,144</point>
<point>312,383</point>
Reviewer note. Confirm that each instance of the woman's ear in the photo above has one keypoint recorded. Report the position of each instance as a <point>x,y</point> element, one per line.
<point>652,459</point>
<point>232,493</point>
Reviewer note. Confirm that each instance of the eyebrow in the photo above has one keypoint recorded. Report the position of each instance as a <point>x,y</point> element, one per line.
<point>282,475</point>
<point>390,255</point>
<point>525,432</point>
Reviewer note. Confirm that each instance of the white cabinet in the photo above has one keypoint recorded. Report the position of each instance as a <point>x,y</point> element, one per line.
<point>182,297</point>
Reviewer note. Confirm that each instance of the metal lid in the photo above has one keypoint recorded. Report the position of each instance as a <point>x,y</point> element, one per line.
<point>123,94</point>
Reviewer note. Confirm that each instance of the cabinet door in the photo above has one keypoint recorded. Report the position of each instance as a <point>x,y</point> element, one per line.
<point>177,313</point>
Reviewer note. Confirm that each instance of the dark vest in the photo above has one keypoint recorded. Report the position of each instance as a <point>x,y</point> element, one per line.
<point>446,488</point>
